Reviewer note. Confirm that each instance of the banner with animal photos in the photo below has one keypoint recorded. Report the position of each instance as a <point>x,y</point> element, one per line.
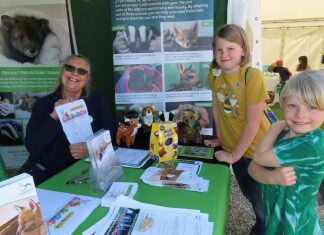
<point>34,40</point>
<point>162,51</point>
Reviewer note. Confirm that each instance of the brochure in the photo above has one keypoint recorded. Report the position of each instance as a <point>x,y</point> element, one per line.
<point>127,216</point>
<point>75,121</point>
<point>19,202</point>
<point>135,158</point>
<point>105,163</point>
<point>64,212</point>
<point>117,189</point>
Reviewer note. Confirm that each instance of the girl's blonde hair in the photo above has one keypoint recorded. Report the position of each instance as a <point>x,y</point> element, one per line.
<point>86,90</point>
<point>236,34</point>
<point>308,86</point>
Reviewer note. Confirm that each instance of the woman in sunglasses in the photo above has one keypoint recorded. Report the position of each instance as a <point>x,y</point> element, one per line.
<point>49,149</point>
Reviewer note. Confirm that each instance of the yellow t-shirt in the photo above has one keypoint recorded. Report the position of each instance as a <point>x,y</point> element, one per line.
<point>233,96</point>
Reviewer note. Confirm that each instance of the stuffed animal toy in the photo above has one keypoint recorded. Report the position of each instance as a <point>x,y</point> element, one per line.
<point>272,96</point>
<point>127,130</point>
<point>147,117</point>
<point>188,125</point>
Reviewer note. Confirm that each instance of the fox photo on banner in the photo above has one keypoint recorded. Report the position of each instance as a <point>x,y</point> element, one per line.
<point>34,40</point>
<point>162,52</point>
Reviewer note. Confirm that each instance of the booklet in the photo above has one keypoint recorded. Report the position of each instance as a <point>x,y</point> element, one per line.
<point>196,152</point>
<point>117,189</point>
<point>135,158</point>
<point>20,208</point>
<point>64,212</point>
<point>75,121</point>
<point>104,161</point>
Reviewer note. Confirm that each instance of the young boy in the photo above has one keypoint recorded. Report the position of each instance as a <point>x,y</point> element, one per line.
<point>294,151</point>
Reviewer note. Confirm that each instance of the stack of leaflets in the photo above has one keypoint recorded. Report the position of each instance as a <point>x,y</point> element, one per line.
<point>127,216</point>
<point>19,207</point>
<point>183,176</point>
<point>117,189</point>
<point>64,212</point>
<point>135,158</point>
<point>105,163</point>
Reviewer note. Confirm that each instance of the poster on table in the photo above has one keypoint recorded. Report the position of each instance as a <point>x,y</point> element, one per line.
<point>161,52</point>
<point>34,40</point>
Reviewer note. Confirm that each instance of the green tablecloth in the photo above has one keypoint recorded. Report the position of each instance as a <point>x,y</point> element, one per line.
<point>214,202</point>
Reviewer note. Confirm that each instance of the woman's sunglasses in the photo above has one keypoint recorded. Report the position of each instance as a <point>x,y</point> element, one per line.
<point>72,69</point>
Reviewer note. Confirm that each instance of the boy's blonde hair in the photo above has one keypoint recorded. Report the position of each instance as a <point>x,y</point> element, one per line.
<point>308,86</point>
<point>236,34</point>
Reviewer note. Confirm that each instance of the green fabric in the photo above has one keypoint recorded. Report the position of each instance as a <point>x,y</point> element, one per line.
<point>2,170</point>
<point>292,210</point>
<point>214,202</point>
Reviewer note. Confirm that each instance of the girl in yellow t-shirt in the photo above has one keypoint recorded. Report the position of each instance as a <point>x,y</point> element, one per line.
<point>238,105</point>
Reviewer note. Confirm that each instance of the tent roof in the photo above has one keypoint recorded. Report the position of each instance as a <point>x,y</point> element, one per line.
<point>291,9</point>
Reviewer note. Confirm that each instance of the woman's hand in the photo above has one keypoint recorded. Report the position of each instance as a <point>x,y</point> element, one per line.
<point>58,103</point>
<point>212,143</point>
<point>79,150</point>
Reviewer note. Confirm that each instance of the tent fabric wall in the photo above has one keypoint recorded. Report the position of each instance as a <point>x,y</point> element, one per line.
<point>290,43</point>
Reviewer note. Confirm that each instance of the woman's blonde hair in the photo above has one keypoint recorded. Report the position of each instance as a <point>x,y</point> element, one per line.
<point>308,86</point>
<point>236,34</point>
<point>86,90</point>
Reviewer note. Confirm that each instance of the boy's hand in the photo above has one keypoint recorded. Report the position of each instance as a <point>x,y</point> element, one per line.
<point>284,176</point>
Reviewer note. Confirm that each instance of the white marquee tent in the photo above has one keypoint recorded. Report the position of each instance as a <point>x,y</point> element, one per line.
<point>286,29</point>
<point>292,28</point>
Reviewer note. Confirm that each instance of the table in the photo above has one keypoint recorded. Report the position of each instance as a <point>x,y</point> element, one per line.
<point>214,202</point>
<point>271,81</point>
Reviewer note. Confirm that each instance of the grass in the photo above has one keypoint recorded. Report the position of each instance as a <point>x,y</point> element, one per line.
<point>277,110</point>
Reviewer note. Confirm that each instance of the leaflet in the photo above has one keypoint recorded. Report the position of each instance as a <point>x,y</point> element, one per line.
<point>64,212</point>
<point>128,216</point>
<point>75,121</point>
<point>135,158</point>
<point>117,189</point>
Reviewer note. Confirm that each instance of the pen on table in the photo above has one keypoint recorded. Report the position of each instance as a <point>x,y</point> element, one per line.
<point>77,176</point>
<point>80,181</point>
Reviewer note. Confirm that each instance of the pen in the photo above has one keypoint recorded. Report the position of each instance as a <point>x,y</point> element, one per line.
<point>80,181</point>
<point>77,176</point>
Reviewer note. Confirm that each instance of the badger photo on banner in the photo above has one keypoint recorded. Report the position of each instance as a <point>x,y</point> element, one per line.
<point>162,52</point>
<point>34,40</point>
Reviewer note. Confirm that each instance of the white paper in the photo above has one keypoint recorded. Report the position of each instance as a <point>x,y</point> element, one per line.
<point>132,157</point>
<point>175,179</point>
<point>64,212</point>
<point>75,121</point>
<point>94,228</point>
<point>190,166</point>
<point>128,215</point>
<point>117,189</point>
